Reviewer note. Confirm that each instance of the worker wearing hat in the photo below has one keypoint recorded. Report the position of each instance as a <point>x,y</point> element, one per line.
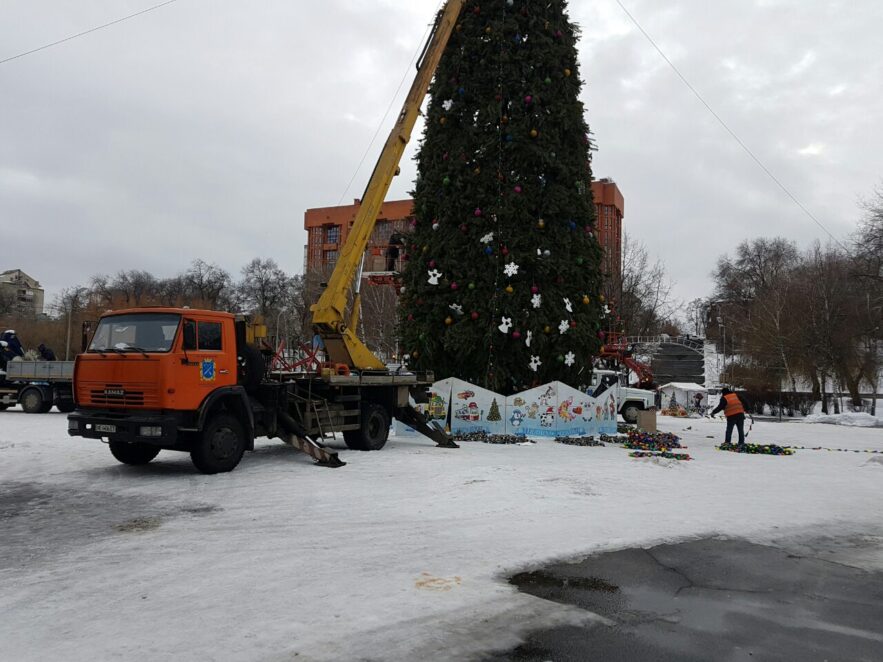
<point>734,409</point>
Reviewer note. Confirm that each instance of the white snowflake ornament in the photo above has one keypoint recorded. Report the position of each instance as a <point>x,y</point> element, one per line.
<point>535,363</point>
<point>488,238</point>
<point>564,327</point>
<point>506,325</point>
<point>568,305</point>
<point>511,269</point>
<point>457,308</point>
<point>570,359</point>
<point>448,104</point>
<point>529,339</point>
<point>434,276</point>
<point>537,301</point>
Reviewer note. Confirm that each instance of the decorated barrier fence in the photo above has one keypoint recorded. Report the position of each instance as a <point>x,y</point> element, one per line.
<point>552,410</point>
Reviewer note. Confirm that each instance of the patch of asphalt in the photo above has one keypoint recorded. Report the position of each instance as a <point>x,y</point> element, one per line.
<point>716,599</point>
<point>40,521</point>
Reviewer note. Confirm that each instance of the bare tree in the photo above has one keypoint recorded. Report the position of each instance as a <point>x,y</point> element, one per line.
<point>869,239</point>
<point>265,288</point>
<point>209,284</point>
<point>7,303</point>
<point>642,298</point>
<point>379,306</point>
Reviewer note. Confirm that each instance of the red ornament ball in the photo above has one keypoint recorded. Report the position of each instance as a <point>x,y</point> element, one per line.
<point>477,212</point>
<point>475,316</point>
<point>516,335</point>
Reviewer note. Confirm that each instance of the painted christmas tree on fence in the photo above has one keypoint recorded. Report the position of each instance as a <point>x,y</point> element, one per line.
<point>502,282</point>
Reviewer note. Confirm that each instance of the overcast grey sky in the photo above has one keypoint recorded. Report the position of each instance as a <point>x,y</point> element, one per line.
<point>207,127</point>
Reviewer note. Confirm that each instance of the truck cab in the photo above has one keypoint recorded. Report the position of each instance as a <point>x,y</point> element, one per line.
<point>629,401</point>
<point>167,378</point>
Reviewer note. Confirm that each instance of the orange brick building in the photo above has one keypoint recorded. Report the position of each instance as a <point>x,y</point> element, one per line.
<point>610,208</point>
<point>327,229</point>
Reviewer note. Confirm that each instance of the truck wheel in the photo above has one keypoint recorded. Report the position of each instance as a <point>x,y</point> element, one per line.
<point>220,446</point>
<point>66,407</point>
<point>630,413</point>
<point>32,401</point>
<point>133,454</point>
<point>374,432</point>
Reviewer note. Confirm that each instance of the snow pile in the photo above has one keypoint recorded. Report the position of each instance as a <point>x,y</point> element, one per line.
<point>849,419</point>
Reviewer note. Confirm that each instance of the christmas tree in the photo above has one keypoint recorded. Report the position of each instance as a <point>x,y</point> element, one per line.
<point>502,281</point>
<point>494,414</point>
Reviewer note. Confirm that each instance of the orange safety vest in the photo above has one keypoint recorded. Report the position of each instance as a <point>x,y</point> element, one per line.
<point>734,405</point>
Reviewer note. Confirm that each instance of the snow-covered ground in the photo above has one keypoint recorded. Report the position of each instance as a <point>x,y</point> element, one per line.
<point>401,554</point>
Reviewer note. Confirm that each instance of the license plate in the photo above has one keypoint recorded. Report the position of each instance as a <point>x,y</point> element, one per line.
<point>106,428</point>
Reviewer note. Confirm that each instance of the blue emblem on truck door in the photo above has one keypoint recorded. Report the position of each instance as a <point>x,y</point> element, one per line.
<point>207,371</point>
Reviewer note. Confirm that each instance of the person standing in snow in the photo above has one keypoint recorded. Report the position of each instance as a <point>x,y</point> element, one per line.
<point>734,409</point>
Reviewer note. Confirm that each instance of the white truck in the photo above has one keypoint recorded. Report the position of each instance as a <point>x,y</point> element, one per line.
<point>37,386</point>
<point>629,401</point>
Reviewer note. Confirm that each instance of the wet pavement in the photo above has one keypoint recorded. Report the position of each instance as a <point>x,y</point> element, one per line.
<point>716,600</point>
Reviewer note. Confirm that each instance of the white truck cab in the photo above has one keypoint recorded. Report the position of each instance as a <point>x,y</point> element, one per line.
<point>629,401</point>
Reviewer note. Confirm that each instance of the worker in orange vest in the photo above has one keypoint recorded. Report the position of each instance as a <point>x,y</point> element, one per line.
<point>734,409</point>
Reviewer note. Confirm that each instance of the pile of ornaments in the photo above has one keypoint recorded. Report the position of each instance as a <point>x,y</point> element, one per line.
<point>667,455</point>
<point>614,439</point>
<point>624,428</point>
<point>579,441</point>
<point>485,438</point>
<point>756,449</point>
<point>652,441</point>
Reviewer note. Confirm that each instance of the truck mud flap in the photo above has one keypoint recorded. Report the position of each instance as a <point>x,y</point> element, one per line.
<point>293,435</point>
<point>412,417</point>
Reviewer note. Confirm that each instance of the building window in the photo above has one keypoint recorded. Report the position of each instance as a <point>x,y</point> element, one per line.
<point>330,257</point>
<point>332,234</point>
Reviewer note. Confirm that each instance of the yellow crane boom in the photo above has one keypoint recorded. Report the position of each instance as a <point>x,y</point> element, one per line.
<point>342,343</point>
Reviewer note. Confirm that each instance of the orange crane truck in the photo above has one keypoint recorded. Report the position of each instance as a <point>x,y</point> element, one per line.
<point>191,380</point>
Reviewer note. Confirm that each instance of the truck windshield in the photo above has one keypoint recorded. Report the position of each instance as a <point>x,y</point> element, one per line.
<point>146,332</point>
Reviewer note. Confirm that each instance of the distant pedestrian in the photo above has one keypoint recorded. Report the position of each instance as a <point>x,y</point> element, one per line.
<point>734,409</point>
<point>46,353</point>
<point>697,401</point>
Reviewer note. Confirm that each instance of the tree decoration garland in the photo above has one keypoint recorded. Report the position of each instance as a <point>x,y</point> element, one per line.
<point>652,441</point>
<point>590,442</point>
<point>666,455</point>
<point>756,449</point>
